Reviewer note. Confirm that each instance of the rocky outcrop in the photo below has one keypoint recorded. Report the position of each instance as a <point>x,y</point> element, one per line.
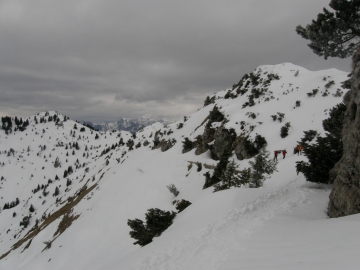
<point>209,133</point>
<point>345,195</point>
<point>223,140</point>
<point>203,140</point>
<point>165,145</point>
<point>244,149</point>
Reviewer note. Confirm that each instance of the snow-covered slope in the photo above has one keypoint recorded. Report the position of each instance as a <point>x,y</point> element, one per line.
<point>280,226</point>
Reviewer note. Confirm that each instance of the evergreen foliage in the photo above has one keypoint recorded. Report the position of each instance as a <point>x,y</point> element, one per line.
<point>253,146</point>
<point>157,221</point>
<point>199,166</point>
<point>220,167</point>
<point>68,182</point>
<point>209,100</point>
<point>334,34</point>
<point>56,192</point>
<point>25,221</point>
<point>326,151</point>
<point>180,206</point>
<point>309,136</point>
<point>284,131</point>
<point>261,168</point>
<point>173,189</point>
<point>232,177</point>
<point>187,145</point>
<point>215,116</point>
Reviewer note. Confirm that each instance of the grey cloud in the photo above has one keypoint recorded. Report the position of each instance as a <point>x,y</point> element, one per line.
<point>100,60</point>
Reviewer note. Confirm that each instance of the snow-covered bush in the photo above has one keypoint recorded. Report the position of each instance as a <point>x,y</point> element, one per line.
<point>173,189</point>
<point>157,221</point>
<point>232,177</point>
<point>313,93</point>
<point>199,166</point>
<point>284,132</point>
<point>187,145</point>
<point>261,168</point>
<point>181,205</point>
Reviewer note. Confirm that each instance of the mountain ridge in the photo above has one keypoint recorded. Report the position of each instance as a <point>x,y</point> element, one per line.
<point>121,175</point>
<point>126,124</point>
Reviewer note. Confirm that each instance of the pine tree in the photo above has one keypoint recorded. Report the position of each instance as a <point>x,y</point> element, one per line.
<point>261,168</point>
<point>68,182</point>
<point>334,34</point>
<point>187,145</point>
<point>326,151</point>
<point>220,167</point>
<point>157,221</point>
<point>232,177</point>
<point>140,232</point>
<point>56,192</point>
<point>180,206</point>
<point>172,188</point>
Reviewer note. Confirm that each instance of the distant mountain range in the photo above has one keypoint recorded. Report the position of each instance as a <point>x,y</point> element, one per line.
<point>126,124</point>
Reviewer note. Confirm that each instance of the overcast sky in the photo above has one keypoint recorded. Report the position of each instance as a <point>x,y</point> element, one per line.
<point>102,60</point>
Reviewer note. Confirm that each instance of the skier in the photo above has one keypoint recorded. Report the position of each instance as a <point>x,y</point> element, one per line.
<point>284,153</point>
<point>276,152</point>
<point>299,148</point>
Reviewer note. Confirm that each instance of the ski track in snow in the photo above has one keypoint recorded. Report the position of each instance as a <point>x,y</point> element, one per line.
<point>208,247</point>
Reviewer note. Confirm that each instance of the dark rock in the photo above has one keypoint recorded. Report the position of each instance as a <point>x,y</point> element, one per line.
<point>223,141</point>
<point>165,145</point>
<point>345,195</point>
<point>241,146</point>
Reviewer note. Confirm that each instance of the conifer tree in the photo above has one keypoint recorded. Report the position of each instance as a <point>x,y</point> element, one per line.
<point>232,177</point>
<point>334,34</point>
<point>261,168</point>
<point>56,192</point>
<point>326,151</point>
<point>157,221</point>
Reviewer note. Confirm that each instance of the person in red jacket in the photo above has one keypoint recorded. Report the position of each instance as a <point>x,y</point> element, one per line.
<point>284,153</point>
<point>276,152</point>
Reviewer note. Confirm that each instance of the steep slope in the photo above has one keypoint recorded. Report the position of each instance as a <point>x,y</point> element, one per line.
<point>87,222</point>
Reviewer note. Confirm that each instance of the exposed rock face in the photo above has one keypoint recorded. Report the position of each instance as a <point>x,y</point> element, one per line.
<point>208,135</point>
<point>241,148</point>
<point>202,142</point>
<point>345,196</point>
<point>223,140</point>
<point>165,145</point>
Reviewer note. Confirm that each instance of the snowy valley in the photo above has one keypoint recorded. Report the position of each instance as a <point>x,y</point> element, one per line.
<point>70,190</point>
